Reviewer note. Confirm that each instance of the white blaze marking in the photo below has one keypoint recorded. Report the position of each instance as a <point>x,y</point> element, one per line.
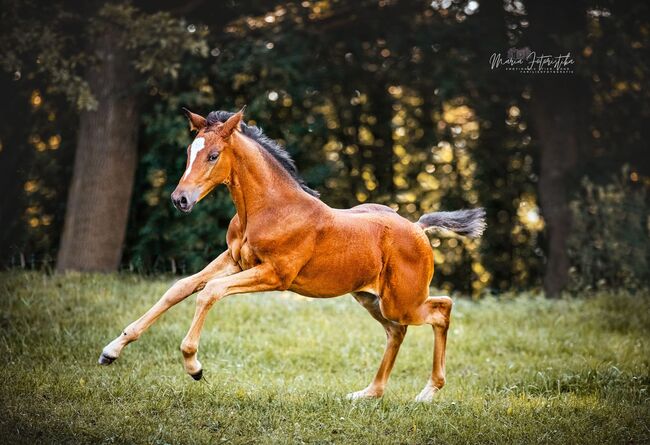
<point>197,146</point>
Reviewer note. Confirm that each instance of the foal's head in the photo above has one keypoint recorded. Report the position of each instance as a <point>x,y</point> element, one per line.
<point>208,159</point>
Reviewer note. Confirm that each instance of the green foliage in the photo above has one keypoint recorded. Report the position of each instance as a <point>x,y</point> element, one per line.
<point>35,43</point>
<point>50,42</point>
<point>160,237</point>
<point>524,370</point>
<point>359,130</point>
<point>157,41</point>
<point>390,102</point>
<point>610,239</point>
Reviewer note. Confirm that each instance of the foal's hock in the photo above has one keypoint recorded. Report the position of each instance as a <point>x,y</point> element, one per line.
<point>283,237</point>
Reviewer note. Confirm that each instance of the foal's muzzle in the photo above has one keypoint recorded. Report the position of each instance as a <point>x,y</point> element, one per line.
<point>184,201</point>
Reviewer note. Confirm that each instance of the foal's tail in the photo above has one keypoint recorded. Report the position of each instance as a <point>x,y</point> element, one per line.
<point>469,223</point>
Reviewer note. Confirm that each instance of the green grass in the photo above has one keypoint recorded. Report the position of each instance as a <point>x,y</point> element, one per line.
<point>277,368</point>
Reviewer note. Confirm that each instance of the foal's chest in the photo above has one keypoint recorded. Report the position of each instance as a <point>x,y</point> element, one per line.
<point>248,259</point>
<point>245,255</point>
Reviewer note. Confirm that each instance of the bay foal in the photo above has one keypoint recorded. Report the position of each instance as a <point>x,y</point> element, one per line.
<point>284,237</point>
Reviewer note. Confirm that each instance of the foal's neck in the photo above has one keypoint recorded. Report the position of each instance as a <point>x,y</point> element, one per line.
<point>257,183</point>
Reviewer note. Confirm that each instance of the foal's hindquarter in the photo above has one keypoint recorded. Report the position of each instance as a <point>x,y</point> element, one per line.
<point>283,238</point>
<point>386,262</point>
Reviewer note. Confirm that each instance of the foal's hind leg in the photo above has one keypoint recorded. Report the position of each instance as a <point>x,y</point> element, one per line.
<point>223,265</point>
<point>435,311</point>
<point>395,333</point>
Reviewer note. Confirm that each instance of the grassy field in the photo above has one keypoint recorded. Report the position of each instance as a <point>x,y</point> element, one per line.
<point>277,368</point>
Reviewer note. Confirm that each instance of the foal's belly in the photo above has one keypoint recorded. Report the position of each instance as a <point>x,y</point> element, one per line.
<point>325,287</point>
<point>348,266</point>
<point>321,291</point>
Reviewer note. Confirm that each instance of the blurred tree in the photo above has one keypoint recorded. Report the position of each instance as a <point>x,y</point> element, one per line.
<point>123,51</point>
<point>95,221</point>
<point>124,43</point>
<point>559,108</point>
<point>504,157</point>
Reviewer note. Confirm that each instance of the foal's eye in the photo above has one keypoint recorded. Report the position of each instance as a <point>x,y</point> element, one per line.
<point>213,157</point>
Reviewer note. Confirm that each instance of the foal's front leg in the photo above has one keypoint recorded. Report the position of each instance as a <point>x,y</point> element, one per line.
<point>258,279</point>
<point>223,265</point>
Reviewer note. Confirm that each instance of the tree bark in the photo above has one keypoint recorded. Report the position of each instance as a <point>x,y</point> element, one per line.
<point>558,157</point>
<point>559,105</point>
<point>105,162</point>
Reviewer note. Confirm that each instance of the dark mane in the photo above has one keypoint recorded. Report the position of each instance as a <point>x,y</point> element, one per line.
<point>272,147</point>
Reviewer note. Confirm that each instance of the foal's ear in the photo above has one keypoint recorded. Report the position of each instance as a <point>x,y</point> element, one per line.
<point>196,122</point>
<point>233,123</point>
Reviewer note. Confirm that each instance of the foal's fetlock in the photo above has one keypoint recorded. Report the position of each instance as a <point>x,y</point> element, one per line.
<point>188,349</point>
<point>434,385</point>
<point>429,391</point>
<point>192,365</point>
<point>195,370</point>
<point>112,351</point>
<point>368,393</point>
<point>109,354</point>
<point>437,382</point>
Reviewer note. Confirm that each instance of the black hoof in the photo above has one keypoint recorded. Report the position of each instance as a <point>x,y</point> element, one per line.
<point>105,359</point>
<point>198,375</point>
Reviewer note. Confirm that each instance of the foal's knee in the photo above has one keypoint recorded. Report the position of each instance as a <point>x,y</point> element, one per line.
<point>206,298</point>
<point>209,295</point>
<point>180,290</point>
<point>185,285</point>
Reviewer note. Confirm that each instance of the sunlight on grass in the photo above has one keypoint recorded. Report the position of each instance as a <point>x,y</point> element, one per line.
<point>523,370</point>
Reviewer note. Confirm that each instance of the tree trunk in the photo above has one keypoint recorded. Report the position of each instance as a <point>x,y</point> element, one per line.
<point>105,162</point>
<point>496,90</point>
<point>558,108</point>
<point>558,157</point>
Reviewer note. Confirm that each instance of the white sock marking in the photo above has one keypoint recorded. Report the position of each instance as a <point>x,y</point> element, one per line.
<point>197,146</point>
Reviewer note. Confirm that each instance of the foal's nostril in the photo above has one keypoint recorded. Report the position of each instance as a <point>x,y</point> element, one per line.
<point>183,200</point>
